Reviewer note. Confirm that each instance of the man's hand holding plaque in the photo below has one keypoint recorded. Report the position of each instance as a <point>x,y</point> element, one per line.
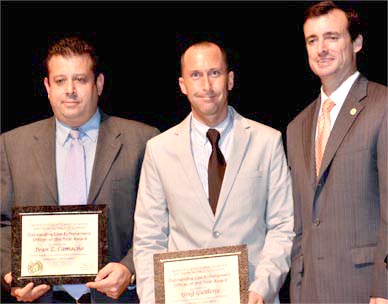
<point>112,280</point>
<point>29,292</point>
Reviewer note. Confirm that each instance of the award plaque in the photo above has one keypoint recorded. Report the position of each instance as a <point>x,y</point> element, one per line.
<point>58,244</point>
<point>214,275</point>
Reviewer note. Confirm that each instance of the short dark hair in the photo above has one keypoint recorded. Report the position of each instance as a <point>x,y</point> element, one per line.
<point>70,46</point>
<point>324,7</point>
<point>207,43</point>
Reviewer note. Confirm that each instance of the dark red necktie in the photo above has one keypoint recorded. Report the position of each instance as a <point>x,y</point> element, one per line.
<point>216,168</point>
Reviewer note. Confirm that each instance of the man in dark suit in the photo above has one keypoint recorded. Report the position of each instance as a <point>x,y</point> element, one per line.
<point>337,152</point>
<point>33,160</point>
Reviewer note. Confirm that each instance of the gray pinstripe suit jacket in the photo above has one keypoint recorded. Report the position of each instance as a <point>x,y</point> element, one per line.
<point>341,217</point>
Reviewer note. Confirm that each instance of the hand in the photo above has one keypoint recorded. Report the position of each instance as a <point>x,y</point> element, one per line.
<point>254,298</point>
<point>111,280</point>
<point>378,301</point>
<point>28,293</point>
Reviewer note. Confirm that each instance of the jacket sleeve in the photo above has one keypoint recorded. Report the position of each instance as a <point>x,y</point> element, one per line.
<point>296,253</point>
<point>274,264</point>
<point>151,226</point>
<point>6,212</point>
<point>380,271</point>
<point>127,260</point>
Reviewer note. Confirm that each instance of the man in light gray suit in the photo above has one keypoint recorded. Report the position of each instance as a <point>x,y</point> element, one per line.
<point>255,201</point>
<point>33,164</point>
<point>340,187</point>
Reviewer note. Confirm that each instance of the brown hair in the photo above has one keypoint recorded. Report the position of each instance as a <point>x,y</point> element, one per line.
<point>324,7</point>
<point>70,46</point>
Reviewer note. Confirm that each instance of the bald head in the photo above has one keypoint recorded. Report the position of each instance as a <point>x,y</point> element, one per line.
<point>203,44</point>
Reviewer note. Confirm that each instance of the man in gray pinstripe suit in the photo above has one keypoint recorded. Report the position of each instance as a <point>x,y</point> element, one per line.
<point>340,250</point>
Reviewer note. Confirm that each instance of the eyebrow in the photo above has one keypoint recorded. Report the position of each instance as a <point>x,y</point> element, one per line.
<point>324,34</point>
<point>331,33</point>
<point>75,75</point>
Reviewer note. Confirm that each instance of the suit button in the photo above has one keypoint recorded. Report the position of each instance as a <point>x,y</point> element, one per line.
<point>317,221</point>
<point>216,234</point>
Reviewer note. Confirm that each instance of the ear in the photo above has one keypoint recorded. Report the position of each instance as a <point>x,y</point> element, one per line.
<point>230,80</point>
<point>47,85</point>
<point>357,44</point>
<point>182,85</point>
<point>100,83</point>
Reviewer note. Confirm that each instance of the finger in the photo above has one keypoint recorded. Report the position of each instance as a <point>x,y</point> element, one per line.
<point>95,285</point>
<point>104,272</point>
<point>28,295</point>
<point>22,292</point>
<point>113,295</point>
<point>8,278</point>
<point>39,291</point>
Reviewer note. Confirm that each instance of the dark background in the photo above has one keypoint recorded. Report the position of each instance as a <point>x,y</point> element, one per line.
<point>140,43</point>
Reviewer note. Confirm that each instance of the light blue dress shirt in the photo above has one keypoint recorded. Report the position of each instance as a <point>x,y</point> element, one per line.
<point>89,136</point>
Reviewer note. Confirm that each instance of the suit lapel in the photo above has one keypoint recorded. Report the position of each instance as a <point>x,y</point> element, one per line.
<point>240,143</point>
<point>108,146</point>
<point>308,137</point>
<point>186,159</point>
<point>44,153</point>
<point>346,117</point>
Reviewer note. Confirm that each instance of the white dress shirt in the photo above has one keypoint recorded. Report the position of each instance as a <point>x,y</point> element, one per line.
<point>338,97</point>
<point>201,147</point>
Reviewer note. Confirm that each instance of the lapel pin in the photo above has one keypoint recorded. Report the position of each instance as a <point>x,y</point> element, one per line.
<point>353,111</point>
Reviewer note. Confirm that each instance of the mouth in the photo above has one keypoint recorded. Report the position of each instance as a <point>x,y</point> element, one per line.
<point>207,96</point>
<point>325,61</point>
<point>70,102</point>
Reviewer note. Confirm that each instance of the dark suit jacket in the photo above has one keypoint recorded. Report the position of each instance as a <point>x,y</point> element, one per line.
<point>341,216</point>
<point>28,177</point>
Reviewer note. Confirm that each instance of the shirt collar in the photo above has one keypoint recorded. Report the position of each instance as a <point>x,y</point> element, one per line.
<point>89,129</point>
<point>199,129</point>
<point>339,95</point>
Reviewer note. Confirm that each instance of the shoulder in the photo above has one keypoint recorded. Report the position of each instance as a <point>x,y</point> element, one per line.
<point>21,134</point>
<point>168,136</point>
<point>372,86</point>
<point>128,126</point>
<point>377,92</point>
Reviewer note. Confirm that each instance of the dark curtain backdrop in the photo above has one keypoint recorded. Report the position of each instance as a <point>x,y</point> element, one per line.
<point>140,43</point>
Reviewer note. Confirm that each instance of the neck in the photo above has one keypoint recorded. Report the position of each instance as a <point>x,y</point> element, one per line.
<point>213,120</point>
<point>329,85</point>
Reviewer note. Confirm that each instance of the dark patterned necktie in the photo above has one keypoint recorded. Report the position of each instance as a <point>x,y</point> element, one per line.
<point>216,169</point>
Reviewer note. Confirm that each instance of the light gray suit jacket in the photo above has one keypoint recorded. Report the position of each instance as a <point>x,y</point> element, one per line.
<point>254,207</point>
<point>341,216</point>
<point>28,178</point>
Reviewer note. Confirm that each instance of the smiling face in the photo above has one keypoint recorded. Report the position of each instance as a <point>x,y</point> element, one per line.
<point>331,52</point>
<point>206,82</point>
<point>72,89</point>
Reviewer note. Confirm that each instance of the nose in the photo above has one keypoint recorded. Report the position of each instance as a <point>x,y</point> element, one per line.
<point>70,88</point>
<point>322,47</point>
<point>207,86</point>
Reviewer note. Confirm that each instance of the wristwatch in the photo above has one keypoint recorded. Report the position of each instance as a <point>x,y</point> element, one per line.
<point>132,280</point>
